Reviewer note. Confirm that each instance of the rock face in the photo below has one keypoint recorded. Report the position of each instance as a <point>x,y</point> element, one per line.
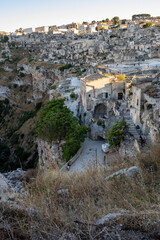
<point>50,155</point>
<point>129,148</point>
<point>15,179</point>
<point>5,188</point>
<point>40,77</point>
<point>129,172</point>
<point>111,216</point>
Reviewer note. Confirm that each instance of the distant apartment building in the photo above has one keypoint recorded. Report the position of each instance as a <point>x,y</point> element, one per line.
<point>62,27</point>
<point>83,28</point>
<point>28,30</point>
<point>72,25</point>
<point>52,28</point>
<point>92,28</point>
<point>102,26</point>
<point>74,30</point>
<point>41,29</point>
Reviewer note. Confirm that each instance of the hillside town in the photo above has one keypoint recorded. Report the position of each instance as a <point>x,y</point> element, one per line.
<point>117,71</point>
<point>104,79</point>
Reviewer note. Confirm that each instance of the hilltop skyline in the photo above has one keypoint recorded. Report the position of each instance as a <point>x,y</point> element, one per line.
<point>39,13</point>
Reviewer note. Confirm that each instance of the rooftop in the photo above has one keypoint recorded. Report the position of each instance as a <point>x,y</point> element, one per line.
<point>93,77</point>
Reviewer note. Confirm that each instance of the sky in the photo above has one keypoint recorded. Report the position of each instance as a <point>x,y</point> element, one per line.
<point>36,13</point>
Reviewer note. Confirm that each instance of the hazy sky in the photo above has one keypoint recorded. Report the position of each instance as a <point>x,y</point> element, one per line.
<point>35,13</point>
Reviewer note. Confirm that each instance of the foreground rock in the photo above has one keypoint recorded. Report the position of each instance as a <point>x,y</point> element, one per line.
<point>128,172</point>
<point>15,179</point>
<point>5,189</point>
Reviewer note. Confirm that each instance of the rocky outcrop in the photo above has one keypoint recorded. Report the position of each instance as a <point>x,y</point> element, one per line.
<point>111,216</point>
<point>40,77</point>
<point>129,148</point>
<point>50,154</point>
<point>5,189</point>
<point>128,172</point>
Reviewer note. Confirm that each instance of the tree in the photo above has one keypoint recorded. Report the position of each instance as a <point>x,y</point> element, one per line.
<point>116,134</point>
<point>140,16</point>
<point>107,19</point>
<point>56,122</point>
<point>85,23</point>
<point>147,25</point>
<point>115,20</point>
<point>4,39</point>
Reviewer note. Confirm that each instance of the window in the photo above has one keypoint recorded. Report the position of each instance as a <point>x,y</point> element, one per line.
<point>120,96</point>
<point>105,95</point>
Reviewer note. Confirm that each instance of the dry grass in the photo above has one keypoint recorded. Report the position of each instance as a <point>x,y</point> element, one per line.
<point>87,197</point>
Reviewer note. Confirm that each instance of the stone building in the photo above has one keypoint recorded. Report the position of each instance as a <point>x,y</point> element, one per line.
<point>99,98</point>
<point>145,108</point>
<point>97,87</point>
<point>42,29</point>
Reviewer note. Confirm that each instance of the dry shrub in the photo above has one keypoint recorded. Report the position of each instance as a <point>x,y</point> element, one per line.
<point>30,175</point>
<point>87,196</point>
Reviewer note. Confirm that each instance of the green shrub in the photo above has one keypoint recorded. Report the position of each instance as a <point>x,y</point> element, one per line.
<point>53,87</point>
<point>3,55</point>
<point>4,39</point>
<point>13,44</point>
<point>113,36</point>
<point>116,134</point>
<point>72,95</point>
<point>147,25</point>
<point>67,66</point>
<point>149,106</point>
<point>38,106</point>
<point>99,122</point>
<point>30,60</point>
<point>73,141</point>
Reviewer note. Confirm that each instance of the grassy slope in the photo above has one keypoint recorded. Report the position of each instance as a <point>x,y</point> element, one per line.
<point>90,198</point>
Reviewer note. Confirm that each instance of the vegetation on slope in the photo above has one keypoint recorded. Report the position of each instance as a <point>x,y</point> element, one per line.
<point>116,135</point>
<point>64,203</point>
<point>56,122</point>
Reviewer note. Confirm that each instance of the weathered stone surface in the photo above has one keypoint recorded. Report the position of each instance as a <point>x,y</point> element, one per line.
<point>5,189</point>
<point>50,155</point>
<point>111,216</point>
<point>129,172</point>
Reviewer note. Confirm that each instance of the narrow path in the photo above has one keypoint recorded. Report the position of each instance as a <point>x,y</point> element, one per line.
<point>92,154</point>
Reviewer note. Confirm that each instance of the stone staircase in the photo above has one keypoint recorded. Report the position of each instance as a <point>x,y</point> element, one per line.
<point>132,128</point>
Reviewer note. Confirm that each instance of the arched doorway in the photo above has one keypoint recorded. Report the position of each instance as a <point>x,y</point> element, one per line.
<point>99,111</point>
